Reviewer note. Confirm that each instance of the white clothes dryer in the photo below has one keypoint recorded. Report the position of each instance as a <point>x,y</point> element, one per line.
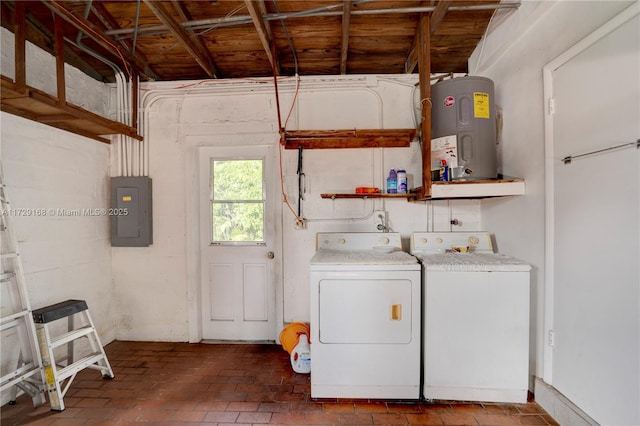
<point>365,317</point>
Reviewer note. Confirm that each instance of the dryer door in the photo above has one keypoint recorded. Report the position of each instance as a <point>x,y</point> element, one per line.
<point>374,311</point>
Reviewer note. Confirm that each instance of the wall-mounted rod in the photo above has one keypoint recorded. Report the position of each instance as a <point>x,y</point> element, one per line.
<point>567,159</point>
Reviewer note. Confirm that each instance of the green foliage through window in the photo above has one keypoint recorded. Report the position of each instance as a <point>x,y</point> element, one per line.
<point>237,206</point>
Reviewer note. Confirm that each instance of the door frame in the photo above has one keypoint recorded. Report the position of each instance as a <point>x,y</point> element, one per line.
<point>193,205</point>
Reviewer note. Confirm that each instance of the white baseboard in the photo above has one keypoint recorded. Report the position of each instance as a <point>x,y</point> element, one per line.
<point>559,406</point>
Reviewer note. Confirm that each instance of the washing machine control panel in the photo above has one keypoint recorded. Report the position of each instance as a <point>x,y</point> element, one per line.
<point>442,242</point>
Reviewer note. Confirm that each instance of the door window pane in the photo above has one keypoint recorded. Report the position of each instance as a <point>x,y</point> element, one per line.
<point>237,203</point>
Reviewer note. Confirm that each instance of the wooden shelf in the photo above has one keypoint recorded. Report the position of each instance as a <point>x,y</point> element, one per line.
<point>350,138</point>
<point>36,105</point>
<point>477,188</point>
<point>451,190</point>
<point>334,195</point>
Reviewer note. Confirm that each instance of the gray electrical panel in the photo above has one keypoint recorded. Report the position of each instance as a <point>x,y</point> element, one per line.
<point>131,216</point>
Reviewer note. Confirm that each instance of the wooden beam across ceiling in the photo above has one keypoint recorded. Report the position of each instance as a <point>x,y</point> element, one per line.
<point>199,53</point>
<point>110,23</point>
<point>346,25</point>
<point>435,18</point>
<point>182,10</point>
<point>257,10</point>
<point>97,35</point>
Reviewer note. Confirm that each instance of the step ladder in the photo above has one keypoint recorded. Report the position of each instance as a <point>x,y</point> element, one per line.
<point>19,341</point>
<point>61,367</point>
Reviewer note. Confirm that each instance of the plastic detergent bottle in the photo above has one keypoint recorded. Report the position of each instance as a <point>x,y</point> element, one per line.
<point>402,181</point>
<point>301,356</point>
<point>392,182</point>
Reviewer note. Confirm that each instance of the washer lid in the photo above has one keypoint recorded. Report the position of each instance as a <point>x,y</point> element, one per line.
<point>473,262</point>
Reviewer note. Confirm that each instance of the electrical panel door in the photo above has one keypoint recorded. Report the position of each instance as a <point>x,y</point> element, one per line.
<point>130,212</point>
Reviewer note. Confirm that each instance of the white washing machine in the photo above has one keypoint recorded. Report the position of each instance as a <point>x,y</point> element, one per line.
<point>365,317</point>
<point>475,321</point>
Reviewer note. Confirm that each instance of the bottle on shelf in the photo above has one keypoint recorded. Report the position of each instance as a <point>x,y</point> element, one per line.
<point>444,170</point>
<point>402,181</point>
<point>392,182</point>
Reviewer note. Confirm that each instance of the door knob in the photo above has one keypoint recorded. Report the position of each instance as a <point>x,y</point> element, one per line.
<point>271,255</point>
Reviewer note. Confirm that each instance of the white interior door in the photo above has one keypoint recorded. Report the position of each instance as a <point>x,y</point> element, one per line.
<point>595,239</point>
<point>239,251</point>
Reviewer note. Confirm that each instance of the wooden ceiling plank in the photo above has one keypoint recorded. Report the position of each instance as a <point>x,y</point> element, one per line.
<point>435,19</point>
<point>264,32</point>
<point>181,8</point>
<point>346,25</point>
<point>110,23</point>
<point>96,35</point>
<point>182,36</point>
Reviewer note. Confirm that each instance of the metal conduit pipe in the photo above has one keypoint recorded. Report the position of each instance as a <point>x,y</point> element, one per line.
<point>130,161</point>
<point>124,33</point>
<point>231,20</point>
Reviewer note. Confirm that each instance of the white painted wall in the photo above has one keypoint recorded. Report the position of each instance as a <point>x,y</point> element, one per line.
<point>157,287</point>
<point>516,50</point>
<point>64,257</point>
<point>80,89</point>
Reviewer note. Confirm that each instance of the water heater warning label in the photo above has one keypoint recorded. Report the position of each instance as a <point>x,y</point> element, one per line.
<point>480,105</point>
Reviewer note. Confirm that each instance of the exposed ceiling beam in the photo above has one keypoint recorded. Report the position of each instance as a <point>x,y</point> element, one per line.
<point>97,35</point>
<point>182,10</point>
<point>441,9</point>
<point>257,10</point>
<point>346,25</point>
<point>201,57</point>
<point>226,21</point>
<point>110,23</point>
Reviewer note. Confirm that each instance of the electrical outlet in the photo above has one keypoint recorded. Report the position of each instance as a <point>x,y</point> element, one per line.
<point>300,224</point>
<point>380,219</point>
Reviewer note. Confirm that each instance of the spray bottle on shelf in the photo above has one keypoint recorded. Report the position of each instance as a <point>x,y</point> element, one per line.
<point>444,171</point>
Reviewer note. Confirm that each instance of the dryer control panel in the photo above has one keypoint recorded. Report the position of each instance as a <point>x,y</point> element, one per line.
<point>353,241</point>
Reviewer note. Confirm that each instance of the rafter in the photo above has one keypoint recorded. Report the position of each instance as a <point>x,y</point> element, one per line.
<point>182,10</point>
<point>434,20</point>
<point>346,24</point>
<point>110,23</point>
<point>96,35</point>
<point>199,54</point>
<point>264,31</point>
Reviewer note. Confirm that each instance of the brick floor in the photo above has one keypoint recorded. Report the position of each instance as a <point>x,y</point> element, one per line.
<point>253,384</point>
